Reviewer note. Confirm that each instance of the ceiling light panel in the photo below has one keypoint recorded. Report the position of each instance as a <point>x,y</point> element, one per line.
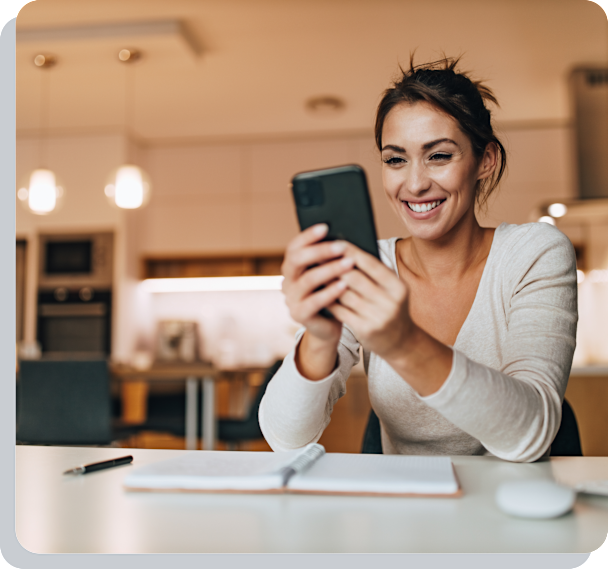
<point>168,40</point>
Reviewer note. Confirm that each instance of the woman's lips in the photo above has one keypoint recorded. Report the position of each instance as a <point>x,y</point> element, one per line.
<point>435,207</point>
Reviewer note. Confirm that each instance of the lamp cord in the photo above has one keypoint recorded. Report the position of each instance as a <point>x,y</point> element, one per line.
<point>44,118</point>
<point>129,99</point>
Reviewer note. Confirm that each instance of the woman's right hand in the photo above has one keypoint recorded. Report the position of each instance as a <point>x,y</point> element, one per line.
<point>301,283</point>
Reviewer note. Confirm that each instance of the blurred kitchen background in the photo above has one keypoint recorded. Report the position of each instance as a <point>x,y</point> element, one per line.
<point>220,103</point>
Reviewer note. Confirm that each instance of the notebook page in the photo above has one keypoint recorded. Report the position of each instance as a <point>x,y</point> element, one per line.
<point>378,473</point>
<point>214,470</point>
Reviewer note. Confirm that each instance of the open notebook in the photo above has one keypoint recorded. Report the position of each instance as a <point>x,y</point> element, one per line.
<point>308,470</point>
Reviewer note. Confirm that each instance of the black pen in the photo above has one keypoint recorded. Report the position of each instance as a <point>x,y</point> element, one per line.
<point>100,465</point>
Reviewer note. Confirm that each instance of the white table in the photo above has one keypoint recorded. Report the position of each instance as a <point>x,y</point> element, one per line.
<point>93,513</point>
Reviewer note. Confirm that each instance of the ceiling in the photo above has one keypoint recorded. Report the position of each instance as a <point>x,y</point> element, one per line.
<point>260,60</point>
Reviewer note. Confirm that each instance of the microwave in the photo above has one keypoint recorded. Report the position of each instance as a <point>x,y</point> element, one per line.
<point>76,260</point>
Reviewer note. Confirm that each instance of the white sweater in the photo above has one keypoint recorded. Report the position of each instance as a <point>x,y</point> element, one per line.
<point>511,363</point>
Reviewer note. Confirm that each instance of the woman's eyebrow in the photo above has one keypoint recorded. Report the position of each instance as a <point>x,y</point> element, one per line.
<point>393,147</point>
<point>425,146</point>
<point>428,145</point>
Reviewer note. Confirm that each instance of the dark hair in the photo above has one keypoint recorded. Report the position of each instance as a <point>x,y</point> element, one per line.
<point>456,94</point>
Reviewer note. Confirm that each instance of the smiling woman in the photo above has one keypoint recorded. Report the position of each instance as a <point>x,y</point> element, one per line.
<point>430,168</point>
<point>459,98</point>
<point>467,332</point>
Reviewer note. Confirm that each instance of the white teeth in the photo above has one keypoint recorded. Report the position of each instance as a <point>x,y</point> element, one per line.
<point>421,208</point>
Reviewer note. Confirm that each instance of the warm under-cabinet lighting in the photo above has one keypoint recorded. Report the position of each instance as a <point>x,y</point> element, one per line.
<point>598,276</point>
<point>213,284</point>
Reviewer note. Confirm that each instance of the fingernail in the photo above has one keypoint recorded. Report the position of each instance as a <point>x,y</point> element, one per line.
<point>338,247</point>
<point>347,261</point>
<point>321,229</point>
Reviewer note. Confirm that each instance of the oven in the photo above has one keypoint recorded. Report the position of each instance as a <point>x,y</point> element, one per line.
<point>75,321</point>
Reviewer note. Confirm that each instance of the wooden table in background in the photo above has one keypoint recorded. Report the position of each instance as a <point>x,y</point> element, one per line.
<point>134,392</point>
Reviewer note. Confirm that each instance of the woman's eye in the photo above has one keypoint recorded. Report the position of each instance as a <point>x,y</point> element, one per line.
<point>441,156</point>
<point>393,160</point>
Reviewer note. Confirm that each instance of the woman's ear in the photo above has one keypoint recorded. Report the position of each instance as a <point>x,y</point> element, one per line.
<point>488,161</point>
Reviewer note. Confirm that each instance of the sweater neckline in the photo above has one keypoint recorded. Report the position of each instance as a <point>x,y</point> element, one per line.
<point>491,255</point>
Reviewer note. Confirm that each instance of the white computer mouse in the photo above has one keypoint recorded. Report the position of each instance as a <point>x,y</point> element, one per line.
<point>535,498</point>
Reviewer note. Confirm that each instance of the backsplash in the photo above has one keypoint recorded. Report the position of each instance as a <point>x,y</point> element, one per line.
<point>592,333</point>
<point>244,328</point>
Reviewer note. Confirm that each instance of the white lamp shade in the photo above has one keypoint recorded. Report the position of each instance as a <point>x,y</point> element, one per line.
<point>557,210</point>
<point>128,187</point>
<point>41,193</point>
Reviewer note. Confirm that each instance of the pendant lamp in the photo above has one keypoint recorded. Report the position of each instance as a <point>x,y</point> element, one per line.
<point>128,186</point>
<point>40,192</point>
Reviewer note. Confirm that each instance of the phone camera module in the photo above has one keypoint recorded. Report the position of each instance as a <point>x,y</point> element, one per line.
<point>309,193</point>
<point>303,196</point>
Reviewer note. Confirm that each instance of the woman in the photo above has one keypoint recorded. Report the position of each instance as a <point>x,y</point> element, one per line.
<point>467,332</point>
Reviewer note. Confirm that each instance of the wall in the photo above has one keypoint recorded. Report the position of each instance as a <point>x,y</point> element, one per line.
<point>228,197</point>
<point>237,328</point>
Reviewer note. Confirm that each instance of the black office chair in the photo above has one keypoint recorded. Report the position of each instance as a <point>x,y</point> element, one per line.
<point>372,443</point>
<point>567,442</point>
<point>247,429</point>
<point>64,402</point>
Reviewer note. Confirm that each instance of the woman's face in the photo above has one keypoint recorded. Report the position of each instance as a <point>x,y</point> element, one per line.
<point>429,170</point>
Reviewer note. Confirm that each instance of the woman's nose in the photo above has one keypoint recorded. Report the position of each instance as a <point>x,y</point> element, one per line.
<point>418,180</point>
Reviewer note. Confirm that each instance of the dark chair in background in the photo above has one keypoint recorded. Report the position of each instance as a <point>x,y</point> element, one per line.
<point>248,429</point>
<point>64,402</point>
<point>567,442</point>
<point>372,443</point>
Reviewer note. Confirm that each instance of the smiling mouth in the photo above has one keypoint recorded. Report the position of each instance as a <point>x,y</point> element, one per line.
<point>424,207</point>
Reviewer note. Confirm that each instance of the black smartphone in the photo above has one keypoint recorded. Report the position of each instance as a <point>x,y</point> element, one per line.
<point>340,198</point>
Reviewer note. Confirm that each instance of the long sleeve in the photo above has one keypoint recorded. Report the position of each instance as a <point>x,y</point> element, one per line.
<point>510,369</point>
<point>514,410</point>
<point>294,410</point>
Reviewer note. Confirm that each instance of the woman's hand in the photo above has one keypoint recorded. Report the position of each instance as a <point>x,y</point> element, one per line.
<point>375,306</point>
<point>312,271</point>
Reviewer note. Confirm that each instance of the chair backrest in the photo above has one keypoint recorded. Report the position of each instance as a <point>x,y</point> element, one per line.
<point>255,404</point>
<point>567,442</point>
<point>372,443</point>
<point>64,402</point>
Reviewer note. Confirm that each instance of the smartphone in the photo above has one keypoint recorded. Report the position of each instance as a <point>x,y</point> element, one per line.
<point>338,197</point>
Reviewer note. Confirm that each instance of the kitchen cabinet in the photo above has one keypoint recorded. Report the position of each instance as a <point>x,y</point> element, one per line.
<point>587,393</point>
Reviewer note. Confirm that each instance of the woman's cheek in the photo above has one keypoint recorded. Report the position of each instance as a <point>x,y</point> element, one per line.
<point>392,182</point>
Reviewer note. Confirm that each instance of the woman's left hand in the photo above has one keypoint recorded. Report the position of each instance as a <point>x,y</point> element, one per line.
<point>375,306</point>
